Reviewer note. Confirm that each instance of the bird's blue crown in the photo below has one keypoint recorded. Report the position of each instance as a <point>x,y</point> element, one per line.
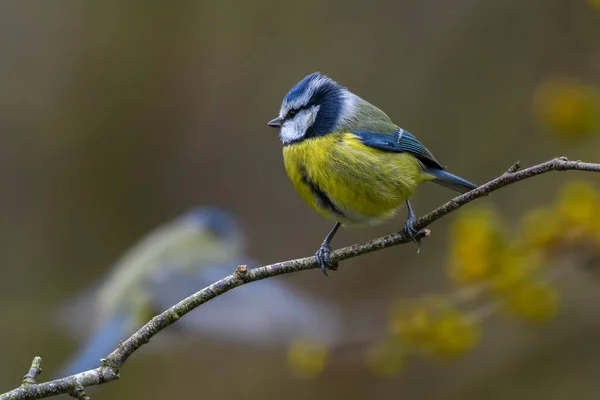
<point>216,220</point>
<point>311,89</point>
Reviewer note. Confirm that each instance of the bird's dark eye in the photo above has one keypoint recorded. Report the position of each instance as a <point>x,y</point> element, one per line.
<point>292,112</point>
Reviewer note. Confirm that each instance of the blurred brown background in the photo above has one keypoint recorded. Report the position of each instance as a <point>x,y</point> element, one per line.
<point>116,116</point>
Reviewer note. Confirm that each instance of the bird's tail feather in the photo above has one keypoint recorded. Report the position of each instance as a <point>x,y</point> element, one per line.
<point>450,181</point>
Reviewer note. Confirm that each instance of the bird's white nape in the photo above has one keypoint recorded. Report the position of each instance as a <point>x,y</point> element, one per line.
<point>348,111</point>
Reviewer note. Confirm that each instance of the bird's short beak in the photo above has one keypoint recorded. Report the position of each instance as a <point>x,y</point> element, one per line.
<point>275,122</point>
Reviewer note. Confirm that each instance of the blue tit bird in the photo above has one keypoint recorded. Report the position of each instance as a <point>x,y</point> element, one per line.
<point>349,161</point>
<point>175,261</point>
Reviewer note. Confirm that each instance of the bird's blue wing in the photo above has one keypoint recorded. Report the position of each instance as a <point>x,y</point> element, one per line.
<point>103,340</point>
<point>400,141</point>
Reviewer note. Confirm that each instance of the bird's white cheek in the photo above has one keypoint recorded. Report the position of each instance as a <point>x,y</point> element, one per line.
<point>290,131</point>
<point>296,128</point>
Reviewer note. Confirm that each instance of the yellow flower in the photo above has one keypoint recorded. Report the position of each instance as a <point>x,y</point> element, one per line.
<point>595,3</point>
<point>387,358</point>
<point>533,301</point>
<point>539,227</point>
<point>307,359</point>
<point>567,108</point>
<point>454,333</point>
<point>475,238</point>
<point>578,206</point>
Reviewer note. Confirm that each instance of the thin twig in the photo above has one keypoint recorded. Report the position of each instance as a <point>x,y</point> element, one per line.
<point>514,168</point>
<point>111,365</point>
<point>34,371</point>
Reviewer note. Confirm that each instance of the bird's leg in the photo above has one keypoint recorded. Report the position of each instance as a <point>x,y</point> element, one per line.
<point>324,253</point>
<point>409,226</point>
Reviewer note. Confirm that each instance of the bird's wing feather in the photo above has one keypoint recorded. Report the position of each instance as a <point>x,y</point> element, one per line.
<point>400,141</point>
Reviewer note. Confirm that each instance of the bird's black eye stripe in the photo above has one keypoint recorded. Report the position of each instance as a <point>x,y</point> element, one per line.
<point>293,111</point>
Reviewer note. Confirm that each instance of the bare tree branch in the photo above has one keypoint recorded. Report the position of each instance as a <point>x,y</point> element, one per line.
<point>110,366</point>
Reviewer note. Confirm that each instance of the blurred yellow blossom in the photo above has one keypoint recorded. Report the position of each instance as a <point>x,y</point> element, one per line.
<point>434,326</point>
<point>595,3</point>
<point>411,321</point>
<point>476,235</point>
<point>454,333</point>
<point>578,206</point>
<point>307,359</point>
<point>539,227</point>
<point>535,301</point>
<point>567,108</point>
<point>387,358</point>
<point>515,268</point>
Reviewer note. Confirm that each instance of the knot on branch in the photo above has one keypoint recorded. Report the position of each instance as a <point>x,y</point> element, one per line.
<point>241,271</point>
<point>79,393</point>
<point>562,164</point>
<point>109,370</point>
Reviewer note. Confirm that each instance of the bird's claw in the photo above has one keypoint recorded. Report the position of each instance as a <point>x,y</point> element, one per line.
<point>323,256</point>
<point>412,232</point>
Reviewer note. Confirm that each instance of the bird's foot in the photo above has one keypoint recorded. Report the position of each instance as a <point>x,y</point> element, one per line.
<point>324,258</point>
<point>413,234</point>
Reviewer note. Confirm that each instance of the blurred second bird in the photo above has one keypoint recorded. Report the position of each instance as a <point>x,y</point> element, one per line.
<point>175,261</point>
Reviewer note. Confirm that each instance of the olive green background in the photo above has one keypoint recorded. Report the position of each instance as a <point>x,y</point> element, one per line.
<point>117,116</point>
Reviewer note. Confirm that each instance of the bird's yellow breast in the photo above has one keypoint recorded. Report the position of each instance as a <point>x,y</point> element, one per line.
<point>349,182</point>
